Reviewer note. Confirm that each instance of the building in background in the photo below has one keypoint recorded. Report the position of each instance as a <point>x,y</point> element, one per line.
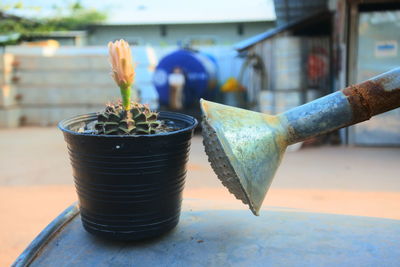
<point>47,82</point>
<point>310,54</point>
<point>184,33</point>
<point>289,65</point>
<point>160,34</point>
<point>156,23</point>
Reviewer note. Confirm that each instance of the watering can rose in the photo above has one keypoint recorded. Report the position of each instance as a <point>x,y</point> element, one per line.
<point>122,68</point>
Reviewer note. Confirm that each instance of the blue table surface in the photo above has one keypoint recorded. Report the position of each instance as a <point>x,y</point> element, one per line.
<point>236,238</point>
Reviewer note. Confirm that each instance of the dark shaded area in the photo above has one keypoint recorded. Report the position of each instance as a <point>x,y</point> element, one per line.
<point>379,7</point>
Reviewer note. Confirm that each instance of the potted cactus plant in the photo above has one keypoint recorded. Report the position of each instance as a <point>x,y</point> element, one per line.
<point>129,162</point>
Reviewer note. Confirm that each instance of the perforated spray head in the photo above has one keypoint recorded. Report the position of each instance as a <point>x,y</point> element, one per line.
<point>244,148</point>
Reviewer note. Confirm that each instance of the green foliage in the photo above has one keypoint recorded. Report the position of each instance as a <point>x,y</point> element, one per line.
<point>72,17</point>
<point>115,120</point>
<point>78,18</point>
<point>22,26</point>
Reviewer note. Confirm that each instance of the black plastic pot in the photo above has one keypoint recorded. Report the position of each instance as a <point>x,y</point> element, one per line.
<point>129,187</point>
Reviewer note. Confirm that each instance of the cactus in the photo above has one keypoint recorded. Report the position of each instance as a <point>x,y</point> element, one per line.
<point>116,120</point>
<point>125,117</point>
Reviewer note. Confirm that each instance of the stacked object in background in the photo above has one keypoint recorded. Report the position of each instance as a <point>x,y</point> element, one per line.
<point>54,84</point>
<point>9,109</point>
<point>297,69</point>
<point>42,85</point>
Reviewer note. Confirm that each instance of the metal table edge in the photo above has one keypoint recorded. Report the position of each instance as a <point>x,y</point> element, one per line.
<point>45,236</point>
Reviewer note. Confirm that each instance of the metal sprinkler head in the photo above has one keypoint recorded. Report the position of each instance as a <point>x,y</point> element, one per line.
<point>244,148</point>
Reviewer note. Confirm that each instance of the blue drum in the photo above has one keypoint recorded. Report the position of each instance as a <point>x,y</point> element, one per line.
<point>197,70</point>
<point>221,237</point>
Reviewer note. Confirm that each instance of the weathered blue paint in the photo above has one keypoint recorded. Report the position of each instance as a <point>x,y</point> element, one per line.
<point>235,238</point>
<point>40,242</point>
<point>317,117</point>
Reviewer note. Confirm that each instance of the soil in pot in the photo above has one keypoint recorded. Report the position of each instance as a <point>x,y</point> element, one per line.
<point>129,187</point>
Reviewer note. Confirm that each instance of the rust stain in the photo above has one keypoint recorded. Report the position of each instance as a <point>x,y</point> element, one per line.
<point>281,142</point>
<point>15,79</point>
<point>370,98</point>
<point>272,120</point>
<point>280,135</point>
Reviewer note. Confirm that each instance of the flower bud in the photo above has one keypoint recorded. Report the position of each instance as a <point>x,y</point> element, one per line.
<point>121,63</point>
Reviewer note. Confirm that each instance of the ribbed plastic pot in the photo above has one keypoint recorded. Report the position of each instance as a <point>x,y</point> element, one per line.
<point>129,187</point>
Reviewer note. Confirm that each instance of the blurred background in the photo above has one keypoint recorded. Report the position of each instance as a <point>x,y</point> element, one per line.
<point>263,55</point>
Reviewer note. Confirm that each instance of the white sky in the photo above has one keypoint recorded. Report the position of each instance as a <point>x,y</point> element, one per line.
<point>165,11</point>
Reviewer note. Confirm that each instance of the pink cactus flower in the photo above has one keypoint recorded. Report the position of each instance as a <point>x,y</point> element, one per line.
<point>121,63</point>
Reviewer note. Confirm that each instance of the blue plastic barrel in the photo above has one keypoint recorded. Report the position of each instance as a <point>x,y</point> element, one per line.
<point>199,69</point>
<point>226,238</point>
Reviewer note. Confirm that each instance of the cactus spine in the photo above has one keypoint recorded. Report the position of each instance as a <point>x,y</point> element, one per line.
<point>115,120</point>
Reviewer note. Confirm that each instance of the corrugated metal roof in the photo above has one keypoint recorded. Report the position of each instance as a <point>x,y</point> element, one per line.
<point>303,22</point>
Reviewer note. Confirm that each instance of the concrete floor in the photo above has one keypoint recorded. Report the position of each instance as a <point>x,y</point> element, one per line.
<point>36,183</point>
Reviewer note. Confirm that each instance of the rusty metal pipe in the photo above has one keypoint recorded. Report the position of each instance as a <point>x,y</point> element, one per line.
<point>245,148</point>
<point>349,106</point>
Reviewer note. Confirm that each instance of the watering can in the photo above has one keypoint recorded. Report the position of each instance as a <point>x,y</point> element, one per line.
<point>245,148</point>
